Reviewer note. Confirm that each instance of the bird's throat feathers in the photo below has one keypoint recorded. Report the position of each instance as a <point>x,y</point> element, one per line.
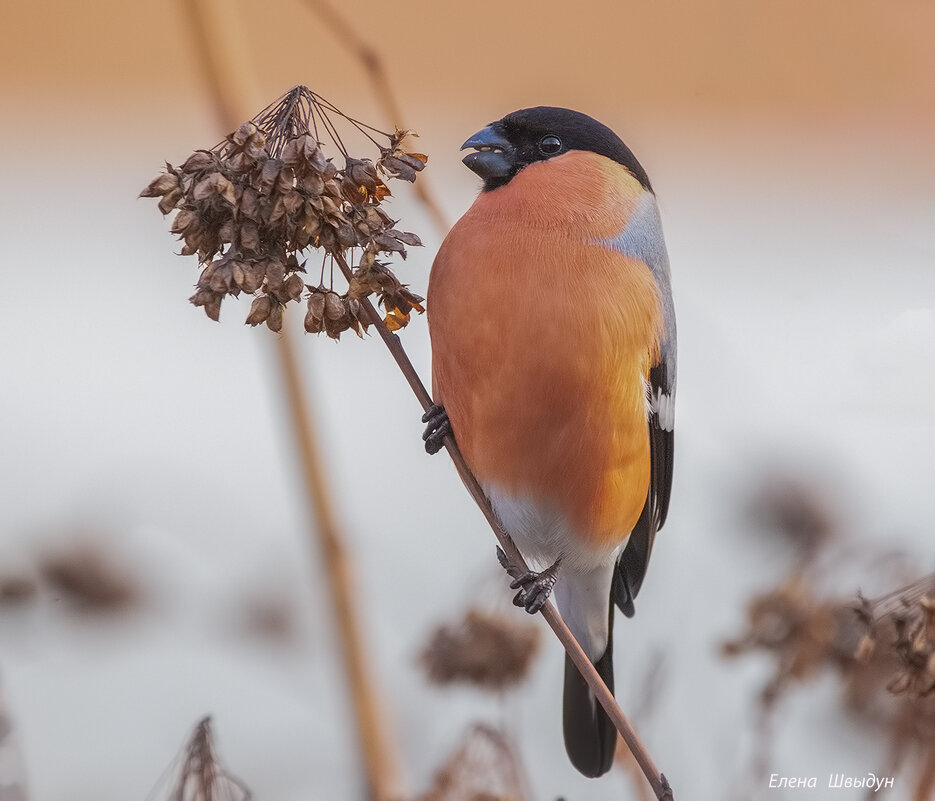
<point>586,194</point>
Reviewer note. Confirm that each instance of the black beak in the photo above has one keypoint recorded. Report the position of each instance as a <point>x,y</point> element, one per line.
<point>493,154</point>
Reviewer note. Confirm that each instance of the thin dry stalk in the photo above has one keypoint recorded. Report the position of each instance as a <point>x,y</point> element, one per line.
<point>372,62</point>
<point>201,775</point>
<point>925,782</point>
<point>605,697</point>
<point>222,51</point>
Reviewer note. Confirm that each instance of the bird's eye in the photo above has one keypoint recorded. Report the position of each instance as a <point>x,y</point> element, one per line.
<point>550,145</point>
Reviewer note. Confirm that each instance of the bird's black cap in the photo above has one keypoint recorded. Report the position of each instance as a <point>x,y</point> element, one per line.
<point>529,135</point>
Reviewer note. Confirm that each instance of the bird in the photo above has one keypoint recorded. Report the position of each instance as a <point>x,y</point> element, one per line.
<point>553,339</point>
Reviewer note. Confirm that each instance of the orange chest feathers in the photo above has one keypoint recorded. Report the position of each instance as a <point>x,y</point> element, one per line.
<point>542,338</point>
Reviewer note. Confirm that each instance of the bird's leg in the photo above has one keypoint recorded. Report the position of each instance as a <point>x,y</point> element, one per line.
<point>438,427</point>
<point>534,588</point>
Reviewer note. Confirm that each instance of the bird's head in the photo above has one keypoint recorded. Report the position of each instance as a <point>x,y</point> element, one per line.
<point>524,137</point>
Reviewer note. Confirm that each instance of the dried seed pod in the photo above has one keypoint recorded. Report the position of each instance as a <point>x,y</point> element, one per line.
<point>406,237</point>
<point>329,171</point>
<point>275,273</point>
<point>255,146</point>
<point>293,287</point>
<point>334,308</point>
<point>314,318</point>
<point>346,235</point>
<point>243,133</point>
<point>311,183</point>
<point>388,243</point>
<point>274,321</point>
<point>170,200</point>
<point>183,220</point>
<point>227,232</point>
<point>249,204</point>
<point>312,154</point>
<point>162,184</point>
<point>210,301</point>
<point>200,160</point>
<point>259,310</point>
<point>238,273</point>
<point>249,236</point>
<point>352,192</point>
<point>334,328</point>
<point>362,173</point>
<point>397,168</point>
<point>253,275</point>
<point>267,175</point>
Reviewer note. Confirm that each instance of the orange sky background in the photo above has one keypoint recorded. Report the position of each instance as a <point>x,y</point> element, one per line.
<point>795,58</point>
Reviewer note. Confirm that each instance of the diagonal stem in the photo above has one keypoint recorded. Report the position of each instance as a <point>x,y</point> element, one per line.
<point>605,697</point>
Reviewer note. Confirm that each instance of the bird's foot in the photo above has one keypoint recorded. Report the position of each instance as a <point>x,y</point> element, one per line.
<point>534,588</point>
<point>438,427</point>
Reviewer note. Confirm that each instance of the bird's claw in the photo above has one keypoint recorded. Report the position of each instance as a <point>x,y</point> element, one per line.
<point>438,426</point>
<point>534,588</point>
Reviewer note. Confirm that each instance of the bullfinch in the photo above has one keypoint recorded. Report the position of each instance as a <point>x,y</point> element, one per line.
<point>553,366</point>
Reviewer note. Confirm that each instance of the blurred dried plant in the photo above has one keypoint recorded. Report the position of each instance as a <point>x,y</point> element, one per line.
<point>12,769</point>
<point>802,632</point>
<point>484,767</point>
<point>796,511</point>
<point>903,622</point>
<point>269,615</point>
<point>201,777</point>
<point>17,587</point>
<point>882,650</point>
<point>251,206</point>
<point>485,649</point>
<point>87,575</point>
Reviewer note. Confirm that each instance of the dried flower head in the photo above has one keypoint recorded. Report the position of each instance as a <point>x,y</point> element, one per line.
<point>802,631</point>
<point>488,650</point>
<point>252,206</point>
<point>484,767</point>
<point>882,650</point>
<point>201,776</point>
<point>902,623</point>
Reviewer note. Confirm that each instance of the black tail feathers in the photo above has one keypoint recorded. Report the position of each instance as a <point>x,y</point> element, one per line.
<point>590,736</point>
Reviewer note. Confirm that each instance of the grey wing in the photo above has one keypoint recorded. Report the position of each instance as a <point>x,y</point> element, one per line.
<point>633,562</point>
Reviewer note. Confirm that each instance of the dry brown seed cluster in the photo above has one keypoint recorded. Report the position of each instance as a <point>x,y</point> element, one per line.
<point>905,626</point>
<point>803,632</point>
<point>252,205</point>
<point>488,650</point>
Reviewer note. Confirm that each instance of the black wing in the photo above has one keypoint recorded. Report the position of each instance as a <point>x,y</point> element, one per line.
<point>631,567</point>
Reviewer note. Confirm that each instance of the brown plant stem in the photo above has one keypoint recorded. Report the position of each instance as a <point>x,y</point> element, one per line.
<point>221,49</point>
<point>372,62</point>
<point>605,697</point>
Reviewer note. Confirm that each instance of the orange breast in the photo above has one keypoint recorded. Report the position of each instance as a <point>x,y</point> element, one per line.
<point>541,339</point>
